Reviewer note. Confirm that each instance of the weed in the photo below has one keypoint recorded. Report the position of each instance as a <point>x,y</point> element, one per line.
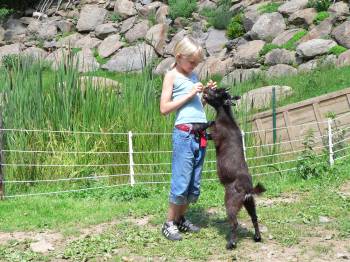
<point>181,8</point>
<point>319,5</point>
<point>320,17</point>
<point>235,28</point>
<point>267,48</point>
<point>269,8</point>
<point>337,50</point>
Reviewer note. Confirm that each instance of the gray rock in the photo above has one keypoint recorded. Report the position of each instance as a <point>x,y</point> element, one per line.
<point>248,54</point>
<point>42,246</point>
<point>214,66</point>
<point>110,45</point>
<point>69,41</point>
<point>285,36</point>
<point>161,14</point>
<point>169,49</point>
<point>102,31</point>
<point>339,9</point>
<point>65,26</point>
<point>86,61</point>
<point>87,42</point>
<point>314,47</point>
<point>150,8</point>
<point>127,24</point>
<point>324,219</point>
<point>316,63</point>
<point>280,56</point>
<point>35,52</point>
<point>249,19</point>
<point>90,17</point>
<point>320,31</point>
<point>342,34</point>
<point>281,70</point>
<point>206,4</point>
<point>2,33</point>
<point>303,17</point>
<point>156,37</point>
<point>268,26</point>
<point>139,31</point>
<point>132,58</point>
<point>57,58</point>
<point>292,6</point>
<point>240,75</point>
<point>164,66</point>
<point>125,8</point>
<point>216,41</point>
<point>235,43</point>
<point>261,97</point>
<point>14,49</point>
<point>344,59</point>
<point>47,31</point>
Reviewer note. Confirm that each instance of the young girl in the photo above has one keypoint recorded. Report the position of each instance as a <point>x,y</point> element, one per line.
<point>182,93</point>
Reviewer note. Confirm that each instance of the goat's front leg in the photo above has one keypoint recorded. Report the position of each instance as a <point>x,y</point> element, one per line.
<point>233,203</point>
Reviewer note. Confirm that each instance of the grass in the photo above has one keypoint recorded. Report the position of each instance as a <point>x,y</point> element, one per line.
<point>269,8</point>
<point>288,224</point>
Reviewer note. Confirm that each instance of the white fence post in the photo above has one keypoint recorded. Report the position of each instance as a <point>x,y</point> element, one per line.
<point>131,160</point>
<point>330,142</point>
<point>243,143</point>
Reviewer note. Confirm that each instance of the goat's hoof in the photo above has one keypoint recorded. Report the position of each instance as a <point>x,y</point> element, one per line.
<point>257,238</point>
<point>231,245</point>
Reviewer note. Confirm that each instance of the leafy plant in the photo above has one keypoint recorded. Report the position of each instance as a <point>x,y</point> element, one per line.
<point>235,28</point>
<point>320,17</point>
<point>4,13</point>
<point>267,48</point>
<point>220,17</point>
<point>319,5</point>
<point>115,17</point>
<point>181,8</point>
<point>152,18</point>
<point>310,164</point>
<point>337,50</point>
<point>269,8</point>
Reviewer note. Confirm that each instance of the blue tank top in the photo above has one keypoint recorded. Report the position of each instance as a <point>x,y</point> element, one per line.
<point>192,111</point>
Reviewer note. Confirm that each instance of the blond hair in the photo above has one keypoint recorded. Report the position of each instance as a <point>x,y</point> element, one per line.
<point>188,47</point>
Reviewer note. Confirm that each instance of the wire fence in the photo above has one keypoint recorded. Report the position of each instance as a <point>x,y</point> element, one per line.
<point>137,165</point>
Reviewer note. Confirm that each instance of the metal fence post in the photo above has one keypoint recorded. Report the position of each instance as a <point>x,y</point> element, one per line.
<point>131,160</point>
<point>243,143</point>
<point>2,175</point>
<point>330,142</point>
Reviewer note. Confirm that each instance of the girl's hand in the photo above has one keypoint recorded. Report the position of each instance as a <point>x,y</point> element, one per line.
<point>197,88</point>
<point>211,84</point>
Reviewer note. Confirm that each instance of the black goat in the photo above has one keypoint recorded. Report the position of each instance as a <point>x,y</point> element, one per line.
<point>232,168</point>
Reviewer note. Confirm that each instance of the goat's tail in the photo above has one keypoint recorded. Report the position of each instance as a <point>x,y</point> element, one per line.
<point>258,189</point>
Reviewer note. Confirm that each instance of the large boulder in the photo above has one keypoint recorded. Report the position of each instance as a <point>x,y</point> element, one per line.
<point>216,41</point>
<point>342,34</point>
<point>156,37</point>
<point>86,61</point>
<point>125,8</point>
<point>314,47</point>
<point>268,26</point>
<point>102,31</point>
<point>339,9</point>
<point>280,56</point>
<point>214,66</point>
<point>35,52</point>
<point>292,6</point>
<point>14,49</point>
<point>344,59</point>
<point>138,31</point>
<point>320,31</point>
<point>169,49</point>
<point>247,55</point>
<point>87,42</point>
<point>318,62</point>
<point>164,66</point>
<point>281,70</point>
<point>133,58</point>
<point>109,45</point>
<point>261,97</point>
<point>303,17</point>
<point>240,75</point>
<point>90,17</point>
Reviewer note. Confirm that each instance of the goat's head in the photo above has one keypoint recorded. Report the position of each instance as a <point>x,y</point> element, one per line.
<point>218,97</point>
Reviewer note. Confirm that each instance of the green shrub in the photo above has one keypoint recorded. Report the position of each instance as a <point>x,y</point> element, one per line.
<point>235,28</point>
<point>337,50</point>
<point>4,13</point>
<point>267,48</point>
<point>320,17</point>
<point>220,17</point>
<point>181,8</point>
<point>269,8</point>
<point>310,164</point>
<point>115,17</point>
<point>291,44</point>
<point>319,5</point>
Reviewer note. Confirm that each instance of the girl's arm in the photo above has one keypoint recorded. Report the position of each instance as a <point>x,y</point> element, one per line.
<point>166,104</point>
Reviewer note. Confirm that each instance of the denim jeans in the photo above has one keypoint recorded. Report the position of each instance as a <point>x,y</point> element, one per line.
<point>187,165</point>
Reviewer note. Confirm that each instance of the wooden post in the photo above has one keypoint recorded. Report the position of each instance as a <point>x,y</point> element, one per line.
<point>2,176</point>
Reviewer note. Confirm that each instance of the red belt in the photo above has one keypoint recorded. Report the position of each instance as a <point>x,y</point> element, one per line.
<point>201,133</point>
